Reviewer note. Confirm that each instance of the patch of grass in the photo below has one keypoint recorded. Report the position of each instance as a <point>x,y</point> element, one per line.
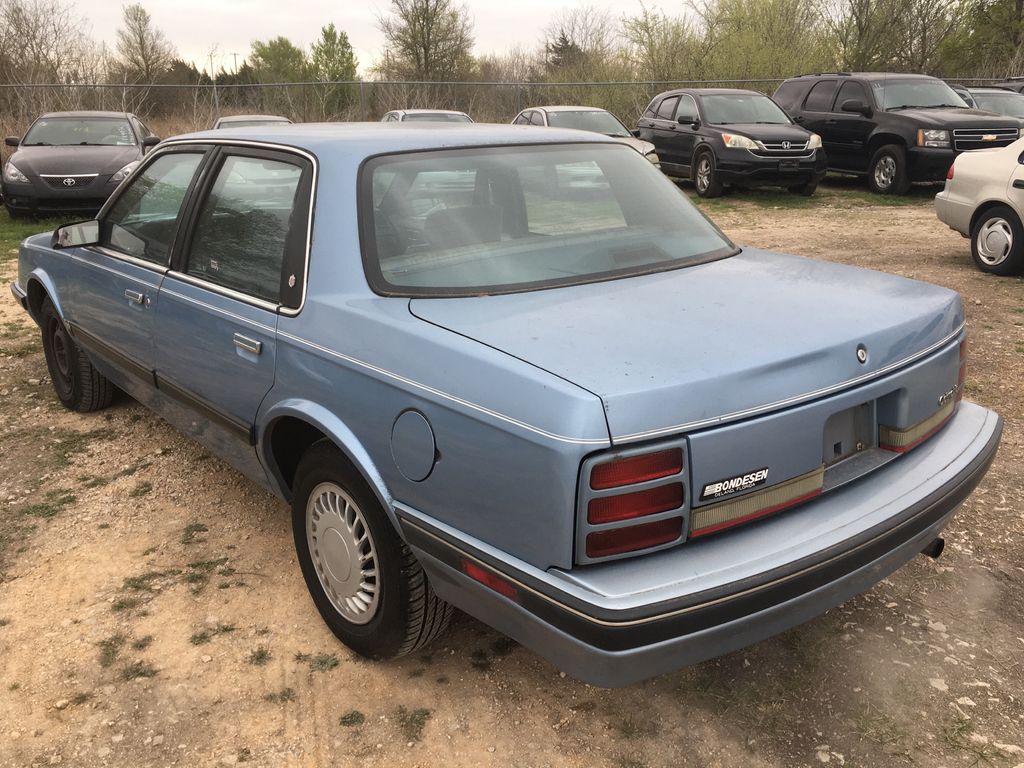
<point>322,662</point>
<point>24,349</point>
<point>142,643</point>
<point>260,656</point>
<point>226,571</point>
<point>144,582</point>
<point>138,669</point>
<point>93,481</point>
<point>244,755</point>
<point>412,722</point>
<point>204,636</point>
<point>148,551</point>
<point>280,697</point>
<point>131,469</point>
<point>103,526</point>
<point>192,530</point>
<point>207,565</point>
<point>13,686</point>
<point>123,604</point>
<point>53,504</point>
<point>140,489</point>
<point>351,718</point>
<point>109,649</point>
<point>68,443</point>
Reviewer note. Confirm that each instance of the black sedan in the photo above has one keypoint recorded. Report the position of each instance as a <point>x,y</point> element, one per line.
<point>72,161</point>
<point>726,136</point>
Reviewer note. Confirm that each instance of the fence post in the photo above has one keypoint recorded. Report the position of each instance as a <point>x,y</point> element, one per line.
<point>362,103</point>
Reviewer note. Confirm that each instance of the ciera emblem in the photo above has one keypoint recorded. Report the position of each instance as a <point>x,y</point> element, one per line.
<point>862,354</point>
<point>69,182</point>
<point>945,397</point>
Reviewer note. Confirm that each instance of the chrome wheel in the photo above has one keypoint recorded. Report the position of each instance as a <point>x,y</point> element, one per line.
<point>703,173</point>
<point>885,171</point>
<point>994,241</point>
<point>343,552</point>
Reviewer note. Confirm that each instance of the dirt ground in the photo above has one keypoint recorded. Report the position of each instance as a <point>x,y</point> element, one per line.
<point>152,611</point>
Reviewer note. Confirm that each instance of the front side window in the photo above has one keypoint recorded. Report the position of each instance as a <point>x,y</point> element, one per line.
<point>499,220</point>
<point>90,131</point>
<point>687,107</point>
<point>241,236</point>
<point>821,96</point>
<point>742,108</point>
<point>895,94</point>
<point>143,220</point>
<point>851,91</point>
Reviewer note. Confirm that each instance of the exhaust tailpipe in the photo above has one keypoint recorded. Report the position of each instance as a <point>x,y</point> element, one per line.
<point>934,548</point>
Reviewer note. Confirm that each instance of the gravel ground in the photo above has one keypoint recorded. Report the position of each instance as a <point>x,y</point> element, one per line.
<point>152,611</point>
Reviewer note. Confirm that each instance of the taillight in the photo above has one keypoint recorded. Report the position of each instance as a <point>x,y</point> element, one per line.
<point>490,580</point>
<point>949,173</point>
<point>619,540</point>
<point>636,469</point>
<point>624,506</point>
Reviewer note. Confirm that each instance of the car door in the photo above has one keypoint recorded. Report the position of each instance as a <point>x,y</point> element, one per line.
<point>661,131</point>
<point>849,131</point>
<point>685,136</point>
<point>242,259</point>
<point>113,294</point>
<point>816,111</point>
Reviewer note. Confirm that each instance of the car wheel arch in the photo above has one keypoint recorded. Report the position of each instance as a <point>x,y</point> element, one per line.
<point>39,288</point>
<point>987,206</point>
<point>293,426</point>
<point>879,140</point>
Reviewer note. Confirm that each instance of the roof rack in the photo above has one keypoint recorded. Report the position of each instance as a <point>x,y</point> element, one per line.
<point>821,74</point>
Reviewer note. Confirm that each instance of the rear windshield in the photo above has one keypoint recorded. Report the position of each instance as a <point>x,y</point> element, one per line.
<point>439,117</point>
<point>596,120</point>
<point>506,219</point>
<point>65,131</point>
<point>742,108</point>
<point>1008,103</point>
<point>906,94</point>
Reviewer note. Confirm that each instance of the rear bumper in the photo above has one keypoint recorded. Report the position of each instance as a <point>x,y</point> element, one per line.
<point>618,623</point>
<point>954,212</point>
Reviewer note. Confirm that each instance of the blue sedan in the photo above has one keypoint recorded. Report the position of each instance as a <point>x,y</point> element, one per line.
<point>514,371</point>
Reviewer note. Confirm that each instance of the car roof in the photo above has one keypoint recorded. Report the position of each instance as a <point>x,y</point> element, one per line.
<point>233,118</point>
<point>86,113</point>
<point>566,108</point>
<point>428,111</point>
<point>712,92</point>
<point>993,89</point>
<point>870,75</point>
<point>367,139</point>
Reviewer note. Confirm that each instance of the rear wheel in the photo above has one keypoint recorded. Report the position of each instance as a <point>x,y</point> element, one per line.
<point>79,386</point>
<point>997,242</point>
<point>887,173</point>
<point>705,176</point>
<point>363,579</point>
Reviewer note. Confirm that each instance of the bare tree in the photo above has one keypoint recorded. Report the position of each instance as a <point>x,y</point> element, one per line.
<point>143,50</point>
<point>426,40</point>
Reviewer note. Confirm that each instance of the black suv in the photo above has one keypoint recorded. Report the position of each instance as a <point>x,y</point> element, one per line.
<point>892,128</point>
<point>721,136</point>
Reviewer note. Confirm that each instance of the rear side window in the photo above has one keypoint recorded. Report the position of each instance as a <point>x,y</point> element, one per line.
<point>821,96</point>
<point>851,90</point>
<point>650,111</point>
<point>521,119</point>
<point>788,94</point>
<point>242,232</point>
<point>143,220</point>
<point>667,108</point>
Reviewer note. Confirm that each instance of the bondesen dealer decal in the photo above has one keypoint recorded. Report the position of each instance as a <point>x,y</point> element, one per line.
<point>732,485</point>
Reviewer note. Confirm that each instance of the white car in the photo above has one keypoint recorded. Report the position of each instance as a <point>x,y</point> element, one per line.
<point>984,201</point>
<point>586,119</point>
<point>426,116</point>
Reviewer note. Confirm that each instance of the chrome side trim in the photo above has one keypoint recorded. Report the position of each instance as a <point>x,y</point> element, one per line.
<point>440,393</point>
<point>824,391</point>
<point>312,194</point>
<point>218,310</point>
<point>228,292</point>
<point>131,260</point>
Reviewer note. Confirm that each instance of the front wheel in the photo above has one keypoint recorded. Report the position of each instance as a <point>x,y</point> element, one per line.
<point>705,176</point>
<point>887,173</point>
<point>363,579</point>
<point>997,242</point>
<point>79,386</point>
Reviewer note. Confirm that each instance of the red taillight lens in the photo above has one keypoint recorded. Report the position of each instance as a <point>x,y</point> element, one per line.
<point>490,580</point>
<point>949,173</point>
<point>624,506</point>
<point>636,469</point>
<point>634,537</point>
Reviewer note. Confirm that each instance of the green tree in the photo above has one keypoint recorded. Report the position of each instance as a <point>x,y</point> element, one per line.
<point>427,40</point>
<point>333,60</point>
<point>278,61</point>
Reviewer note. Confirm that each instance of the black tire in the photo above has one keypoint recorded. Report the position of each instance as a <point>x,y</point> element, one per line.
<point>407,614</point>
<point>806,189</point>
<point>705,177</point>
<point>887,173</point>
<point>79,386</point>
<point>997,242</point>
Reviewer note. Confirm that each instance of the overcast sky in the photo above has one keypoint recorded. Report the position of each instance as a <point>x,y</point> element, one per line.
<point>196,26</point>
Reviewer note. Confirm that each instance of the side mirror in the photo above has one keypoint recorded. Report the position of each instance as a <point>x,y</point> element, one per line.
<point>636,133</point>
<point>149,142</point>
<point>856,107</point>
<point>75,235</point>
<point>12,141</point>
<point>689,120</point>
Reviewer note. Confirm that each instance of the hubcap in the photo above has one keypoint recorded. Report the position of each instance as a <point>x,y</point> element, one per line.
<point>343,553</point>
<point>703,174</point>
<point>885,172</point>
<point>995,241</point>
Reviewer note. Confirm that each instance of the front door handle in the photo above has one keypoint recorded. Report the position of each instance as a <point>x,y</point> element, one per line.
<point>247,344</point>
<point>135,297</point>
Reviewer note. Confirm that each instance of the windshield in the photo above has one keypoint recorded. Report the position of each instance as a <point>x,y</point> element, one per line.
<point>251,123</point>
<point>742,108</point>
<point>498,220</point>
<point>595,120</point>
<point>1008,103</point>
<point>903,94</point>
<point>65,131</point>
<point>438,117</point>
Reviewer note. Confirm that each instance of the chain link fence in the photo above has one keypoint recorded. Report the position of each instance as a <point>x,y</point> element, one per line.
<point>172,109</point>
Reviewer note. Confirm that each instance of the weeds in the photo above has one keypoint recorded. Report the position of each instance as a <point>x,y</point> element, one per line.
<point>192,530</point>
<point>412,723</point>
<point>138,669</point>
<point>142,643</point>
<point>140,489</point>
<point>204,636</point>
<point>351,718</point>
<point>260,656</point>
<point>109,649</point>
<point>280,697</point>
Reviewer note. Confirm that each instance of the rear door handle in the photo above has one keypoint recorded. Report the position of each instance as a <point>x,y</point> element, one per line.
<point>135,297</point>
<point>1018,183</point>
<point>247,344</point>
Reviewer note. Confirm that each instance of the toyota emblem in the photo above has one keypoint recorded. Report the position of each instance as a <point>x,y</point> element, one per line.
<point>786,144</point>
<point>69,182</point>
